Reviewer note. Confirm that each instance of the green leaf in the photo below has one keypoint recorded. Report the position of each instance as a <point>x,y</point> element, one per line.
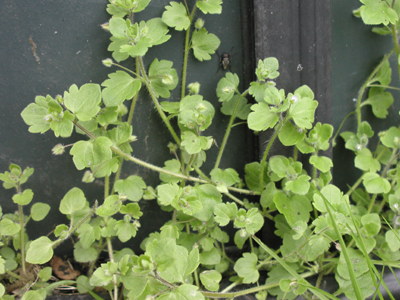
<point>209,197</point>
<point>131,187</point>
<point>35,115</point>
<point>168,193</point>
<point>299,185</point>
<point>392,238</point>
<point>82,154</point>
<point>196,113</point>
<point>211,279</point>
<point>211,257</point>
<point>204,44</point>
<point>163,77</point>
<point>40,251</point>
<point>252,171</point>
<point>172,165</point>
<point>227,86</point>
<point>45,274</point>
<point>103,275</point>
<point>391,137</point>
<point>380,102</point>
<point>267,69</point>
<point>365,283</point>
<point>73,201</point>
<point>131,209</point>
<point>358,264</point>
<point>183,292</point>
<point>375,12</point>
<point>8,227</point>
<point>125,230</point>
<point>193,261</point>
<point>303,107</point>
<point>237,106</point>
<point>175,15</point>
<point>119,87</point>
<point>39,294</point>
<point>170,107</point>
<point>384,74</point>
<point>157,31</point>
<point>365,161</point>
<point>23,198</point>
<point>316,246</point>
<point>39,211</point>
<point>257,90</point>
<point>376,184</point>
<point>254,220</point>
<point>224,212</point>
<point>210,6</point>
<point>227,177</point>
<point>246,268</point>
<point>273,96</point>
<point>295,208</point>
<point>83,102</point>
<point>110,207</point>
<point>170,258</point>
<point>107,115</point>
<point>193,143</point>
<point>121,8</point>
<point>87,235</point>
<point>262,117</point>
<point>335,197</point>
<point>371,223</point>
<point>290,134</point>
<point>322,163</point>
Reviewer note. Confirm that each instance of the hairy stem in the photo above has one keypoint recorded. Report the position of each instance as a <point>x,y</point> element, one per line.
<point>364,87</point>
<point>22,237</point>
<point>154,98</point>
<point>177,175</point>
<point>114,277</point>
<point>186,53</point>
<point>129,121</point>
<point>263,161</point>
<point>226,135</point>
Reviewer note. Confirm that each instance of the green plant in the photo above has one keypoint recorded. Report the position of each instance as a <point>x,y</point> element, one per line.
<point>19,275</point>
<point>323,229</point>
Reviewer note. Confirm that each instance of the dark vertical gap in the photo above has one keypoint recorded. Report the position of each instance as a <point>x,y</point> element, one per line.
<point>249,60</point>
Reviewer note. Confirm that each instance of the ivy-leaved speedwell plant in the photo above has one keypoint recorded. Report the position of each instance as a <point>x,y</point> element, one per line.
<point>323,230</point>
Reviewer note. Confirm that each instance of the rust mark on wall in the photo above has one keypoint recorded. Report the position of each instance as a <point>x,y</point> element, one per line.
<point>33,49</point>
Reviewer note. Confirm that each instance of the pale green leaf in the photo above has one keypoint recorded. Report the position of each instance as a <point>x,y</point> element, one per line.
<point>83,102</point>
<point>119,87</point>
<point>39,211</point>
<point>246,268</point>
<point>73,201</point>
<point>210,279</point>
<point>40,251</point>
<point>204,44</point>
<point>175,15</point>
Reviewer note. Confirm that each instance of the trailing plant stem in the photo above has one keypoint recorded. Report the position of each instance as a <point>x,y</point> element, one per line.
<point>263,161</point>
<point>22,237</point>
<point>226,136</point>
<point>111,255</point>
<point>129,121</point>
<point>364,87</point>
<point>161,170</point>
<point>186,54</point>
<point>154,98</point>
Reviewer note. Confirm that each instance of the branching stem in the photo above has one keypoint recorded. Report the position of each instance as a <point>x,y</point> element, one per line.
<point>154,98</point>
